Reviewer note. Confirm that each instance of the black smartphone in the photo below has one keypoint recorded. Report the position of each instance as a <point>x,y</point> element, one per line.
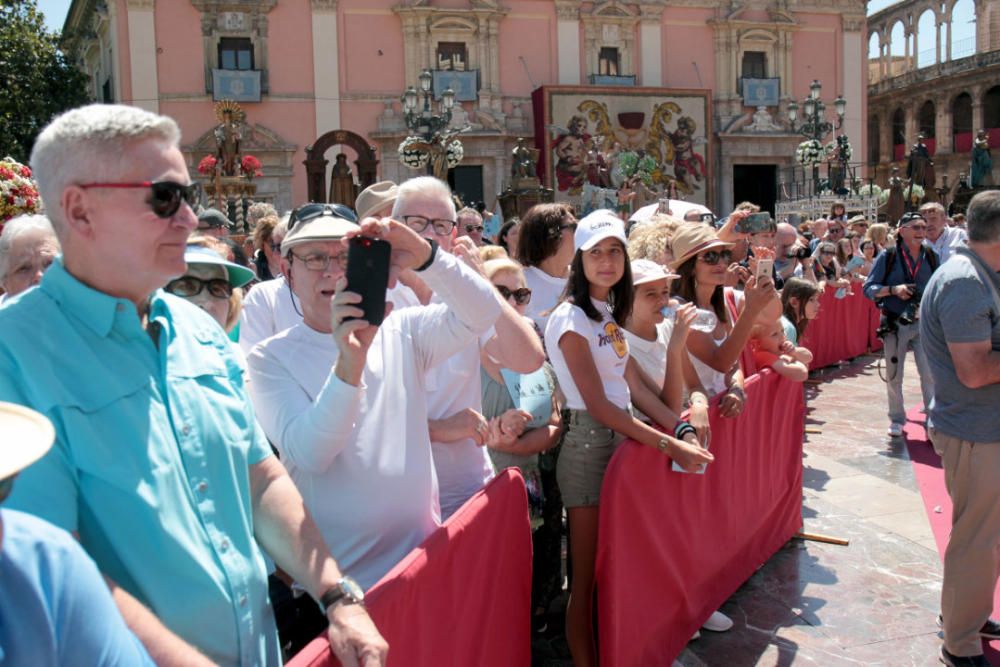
<point>368,275</point>
<point>755,223</point>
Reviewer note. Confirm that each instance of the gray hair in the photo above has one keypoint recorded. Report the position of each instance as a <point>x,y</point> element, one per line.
<point>983,217</point>
<point>259,210</point>
<point>88,143</point>
<point>281,229</point>
<point>423,187</point>
<point>16,227</point>
<point>933,206</point>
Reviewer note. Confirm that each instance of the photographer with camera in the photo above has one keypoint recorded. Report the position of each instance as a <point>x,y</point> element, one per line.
<point>896,284</point>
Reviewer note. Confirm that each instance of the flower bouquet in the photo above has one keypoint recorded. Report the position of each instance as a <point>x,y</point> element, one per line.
<point>455,153</point>
<point>250,167</point>
<point>870,190</point>
<point>412,157</point>
<point>207,165</point>
<point>916,193</point>
<point>809,153</point>
<point>18,191</point>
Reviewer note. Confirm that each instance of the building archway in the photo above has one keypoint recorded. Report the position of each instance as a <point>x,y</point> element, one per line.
<point>315,162</point>
<point>961,119</point>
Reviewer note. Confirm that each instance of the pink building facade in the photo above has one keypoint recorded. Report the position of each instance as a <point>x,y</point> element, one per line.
<point>306,68</point>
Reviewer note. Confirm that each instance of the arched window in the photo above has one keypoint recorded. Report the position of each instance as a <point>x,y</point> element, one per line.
<point>963,29</point>
<point>961,123</point>
<point>897,49</point>
<point>991,108</point>
<point>874,53</point>
<point>874,139</point>
<point>926,39</point>
<point>898,134</point>
<point>925,124</point>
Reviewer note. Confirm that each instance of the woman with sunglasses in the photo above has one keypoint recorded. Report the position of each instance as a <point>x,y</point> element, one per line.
<point>516,440</point>
<point>213,283</point>
<point>702,261</point>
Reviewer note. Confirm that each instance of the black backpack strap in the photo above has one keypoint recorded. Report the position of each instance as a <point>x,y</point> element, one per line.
<point>890,262</point>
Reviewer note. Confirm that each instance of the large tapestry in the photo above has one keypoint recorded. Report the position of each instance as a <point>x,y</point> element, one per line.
<point>582,131</point>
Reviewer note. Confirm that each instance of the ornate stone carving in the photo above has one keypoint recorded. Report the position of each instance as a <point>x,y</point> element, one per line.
<point>568,10</point>
<point>853,22</point>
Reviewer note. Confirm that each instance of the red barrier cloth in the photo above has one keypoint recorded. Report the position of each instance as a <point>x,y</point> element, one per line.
<point>843,329</point>
<point>673,547</point>
<point>463,597</point>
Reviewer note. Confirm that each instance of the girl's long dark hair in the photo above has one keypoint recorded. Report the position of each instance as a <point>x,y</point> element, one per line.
<point>686,290</point>
<point>577,291</point>
<point>803,290</point>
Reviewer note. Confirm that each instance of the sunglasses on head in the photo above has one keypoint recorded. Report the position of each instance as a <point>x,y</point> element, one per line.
<point>308,212</point>
<point>189,286</point>
<point>910,217</point>
<point>167,195</point>
<point>522,296</point>
<point>713,257</point>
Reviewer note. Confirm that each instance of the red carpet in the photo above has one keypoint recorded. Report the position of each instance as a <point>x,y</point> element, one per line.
<point>937,504</point>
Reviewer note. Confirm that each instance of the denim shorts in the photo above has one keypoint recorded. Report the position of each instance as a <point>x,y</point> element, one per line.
<point>587,448</point>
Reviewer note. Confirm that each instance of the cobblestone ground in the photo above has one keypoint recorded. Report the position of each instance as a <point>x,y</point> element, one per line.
<point>873,602</point>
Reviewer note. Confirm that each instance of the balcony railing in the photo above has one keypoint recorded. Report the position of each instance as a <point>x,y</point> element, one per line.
<point>611,80</point>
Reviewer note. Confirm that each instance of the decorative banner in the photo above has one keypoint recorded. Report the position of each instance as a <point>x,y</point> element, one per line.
<point>761,92</point>
<point>239,85</point>
<point>465,84</point>
<point>585,131</point>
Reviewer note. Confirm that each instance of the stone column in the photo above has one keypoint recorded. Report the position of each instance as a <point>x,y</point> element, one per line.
<point>651,38</point>
<point>943,126</point>
<point>142,55</point>
<point>326,66</point>
<point>948,42</point>
<point>855,88</point>
<point>568,41</point>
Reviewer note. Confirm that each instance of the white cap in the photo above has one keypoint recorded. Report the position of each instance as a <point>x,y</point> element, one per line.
<point>26,436</point>
<point>597,226</point>
<point>647,271</point>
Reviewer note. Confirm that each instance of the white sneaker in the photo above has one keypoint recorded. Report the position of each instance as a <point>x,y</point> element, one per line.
<point>718,622</point>
<point>895,430</point>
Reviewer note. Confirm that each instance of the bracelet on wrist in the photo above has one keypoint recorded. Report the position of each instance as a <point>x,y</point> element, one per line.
<point>682,429</point>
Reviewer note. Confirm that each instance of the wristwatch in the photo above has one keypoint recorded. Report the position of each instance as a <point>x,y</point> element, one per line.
<point>346,591</point>
<point>430,259</point>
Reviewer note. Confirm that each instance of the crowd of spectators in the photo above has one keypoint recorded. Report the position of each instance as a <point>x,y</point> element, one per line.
<point>252,422</point>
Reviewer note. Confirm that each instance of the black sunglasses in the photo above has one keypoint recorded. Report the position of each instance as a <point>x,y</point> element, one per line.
<point>189,286</point>
<point>713,257</point>
<point>522,296</point>
<point>473,228</point>
<point>310,211</point>
<point>910,217</point>
<point>167,195</point>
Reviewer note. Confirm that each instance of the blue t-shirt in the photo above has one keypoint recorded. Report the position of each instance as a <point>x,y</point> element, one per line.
<point>959,308</point>
<point>55,608</point>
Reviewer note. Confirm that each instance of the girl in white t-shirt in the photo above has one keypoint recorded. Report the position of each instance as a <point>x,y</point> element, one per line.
<point>589,354</point>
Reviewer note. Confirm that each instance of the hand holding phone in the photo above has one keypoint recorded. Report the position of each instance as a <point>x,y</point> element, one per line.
<point>765,267</point>
<point>756,223</point>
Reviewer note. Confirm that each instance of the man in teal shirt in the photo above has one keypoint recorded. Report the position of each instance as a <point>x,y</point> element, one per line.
<point>159,466</point>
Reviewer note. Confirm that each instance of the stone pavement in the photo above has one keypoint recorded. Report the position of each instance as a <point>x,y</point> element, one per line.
<point>871,603</point>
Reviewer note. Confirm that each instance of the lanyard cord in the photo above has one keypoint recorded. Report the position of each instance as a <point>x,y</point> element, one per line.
<point>909,265</point>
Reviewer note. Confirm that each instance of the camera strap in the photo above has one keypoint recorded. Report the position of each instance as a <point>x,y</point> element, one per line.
<point>908,264</point>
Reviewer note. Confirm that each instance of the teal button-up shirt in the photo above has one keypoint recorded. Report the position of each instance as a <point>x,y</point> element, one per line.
<point>152,455</point>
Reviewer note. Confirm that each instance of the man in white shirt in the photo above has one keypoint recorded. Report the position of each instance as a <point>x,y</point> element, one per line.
<point>347,411</point>
<point>269,307</point>
<point>454,393</point>
<point>940,236</point>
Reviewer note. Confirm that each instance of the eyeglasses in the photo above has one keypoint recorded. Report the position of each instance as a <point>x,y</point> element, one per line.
<point>275,247</point>
<point>320,262</point>
<point>827,252</point>
<point>167,195</point>
<point>917,228</point>
<point>310,211</point>
<point>473,228</point>
<point>835,230</point>
<point>6,486</point>
<point>189,286</point>
<point>418,223</point>
<point>713,257</point>
<point>522,296</point>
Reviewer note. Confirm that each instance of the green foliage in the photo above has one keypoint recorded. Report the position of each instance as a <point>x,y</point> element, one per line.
<point>37,81</point>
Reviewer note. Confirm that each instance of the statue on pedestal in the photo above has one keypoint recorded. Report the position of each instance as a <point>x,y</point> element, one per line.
<point>342,187</point>
<point>523,167</point>
<point>982,162</point>
<point>228,136</point>
<point>919,166</point>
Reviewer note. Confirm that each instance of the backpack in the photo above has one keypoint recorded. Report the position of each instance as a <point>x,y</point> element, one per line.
<point>890,261</point>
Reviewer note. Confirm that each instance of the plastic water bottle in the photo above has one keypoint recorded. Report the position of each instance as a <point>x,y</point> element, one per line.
<point>704,320</point>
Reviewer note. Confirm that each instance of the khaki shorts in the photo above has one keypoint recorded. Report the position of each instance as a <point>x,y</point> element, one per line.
<point>587,449</point>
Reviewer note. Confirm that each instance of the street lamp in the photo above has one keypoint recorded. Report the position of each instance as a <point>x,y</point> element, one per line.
<point>429,131</point>
<point>814,125</point>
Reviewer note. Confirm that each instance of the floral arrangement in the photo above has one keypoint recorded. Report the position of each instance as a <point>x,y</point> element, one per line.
<point>251,167</point>
<point>629,165</point>
<point>837,149</point>
<point>207,165</point>
<point>871,190</point>
<point>455,153</point>
<point>412,157</point>
<point>18,191</point>
<point>915,192</point>
<point>809,153</point>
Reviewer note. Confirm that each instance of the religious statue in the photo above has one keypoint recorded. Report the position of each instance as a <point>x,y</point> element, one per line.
<point>523,161</point>
<point>919,167</point>
<point>982,162</point>
<point>896,205</point>
<point>228,136</point>
<point>342,187</point>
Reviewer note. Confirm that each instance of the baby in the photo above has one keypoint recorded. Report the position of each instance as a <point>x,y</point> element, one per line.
<point>771,348</point>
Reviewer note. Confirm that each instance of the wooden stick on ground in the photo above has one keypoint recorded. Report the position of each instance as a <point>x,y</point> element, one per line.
<point>819,537</point>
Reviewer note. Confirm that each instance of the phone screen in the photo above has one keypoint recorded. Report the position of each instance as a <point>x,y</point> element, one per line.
<point>755,223</point>
<point>368,275</point>
<point>764,268</point>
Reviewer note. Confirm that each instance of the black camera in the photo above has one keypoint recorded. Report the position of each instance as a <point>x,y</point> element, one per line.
<point>909,314</point>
